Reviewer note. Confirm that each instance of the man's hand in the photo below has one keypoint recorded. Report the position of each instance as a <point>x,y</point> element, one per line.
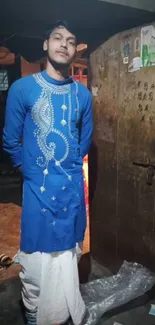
<point>81,246</point>
<point>79,249</point>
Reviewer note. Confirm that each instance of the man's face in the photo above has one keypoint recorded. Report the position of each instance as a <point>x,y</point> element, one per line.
<point>61,47</point>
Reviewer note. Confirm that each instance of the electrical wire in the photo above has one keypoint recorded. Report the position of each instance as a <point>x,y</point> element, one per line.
<point>6,39</point>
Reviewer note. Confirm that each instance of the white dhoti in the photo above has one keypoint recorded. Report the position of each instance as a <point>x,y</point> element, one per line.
<point>50,287</point>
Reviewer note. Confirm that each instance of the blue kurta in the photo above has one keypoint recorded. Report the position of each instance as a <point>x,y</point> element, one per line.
<point>47,132</point>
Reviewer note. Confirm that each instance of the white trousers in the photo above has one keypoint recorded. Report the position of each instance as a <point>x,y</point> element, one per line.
<point>50,287</point>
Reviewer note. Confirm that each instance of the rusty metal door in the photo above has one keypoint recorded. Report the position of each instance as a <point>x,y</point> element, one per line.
<point>122,159</point>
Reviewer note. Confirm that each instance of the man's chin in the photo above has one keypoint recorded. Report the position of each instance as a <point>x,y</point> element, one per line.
<point>62,63</point>
<point>59,64</point>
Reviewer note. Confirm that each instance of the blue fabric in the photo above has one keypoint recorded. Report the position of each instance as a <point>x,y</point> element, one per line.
<point>48,129</point>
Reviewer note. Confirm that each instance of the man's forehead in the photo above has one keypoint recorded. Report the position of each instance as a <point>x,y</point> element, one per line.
<point>63,31</point>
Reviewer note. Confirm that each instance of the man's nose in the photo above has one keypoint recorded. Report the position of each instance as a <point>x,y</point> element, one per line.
<point>64,43</point>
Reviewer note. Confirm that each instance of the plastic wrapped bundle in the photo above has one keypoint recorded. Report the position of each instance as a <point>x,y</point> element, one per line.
<point>107,293</point>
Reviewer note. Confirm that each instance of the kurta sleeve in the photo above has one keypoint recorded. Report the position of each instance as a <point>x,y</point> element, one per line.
<point>14,123</point>
<point>86,126</point>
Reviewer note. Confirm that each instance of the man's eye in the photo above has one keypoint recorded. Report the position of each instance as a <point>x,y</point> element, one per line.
<point>72,43</point>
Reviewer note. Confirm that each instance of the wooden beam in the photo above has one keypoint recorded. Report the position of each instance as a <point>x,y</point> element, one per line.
<point>79,66</point>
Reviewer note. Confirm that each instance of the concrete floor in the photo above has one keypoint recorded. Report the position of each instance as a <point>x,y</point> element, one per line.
<point>134,313</point>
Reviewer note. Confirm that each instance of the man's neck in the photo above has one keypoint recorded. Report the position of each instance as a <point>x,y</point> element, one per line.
<point>55,73</point>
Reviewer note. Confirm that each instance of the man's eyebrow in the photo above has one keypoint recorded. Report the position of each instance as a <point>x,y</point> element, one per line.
<point>56,33</point>
<point>72,37</point>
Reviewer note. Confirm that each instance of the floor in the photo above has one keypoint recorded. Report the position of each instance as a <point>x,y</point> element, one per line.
<point>135,313</point>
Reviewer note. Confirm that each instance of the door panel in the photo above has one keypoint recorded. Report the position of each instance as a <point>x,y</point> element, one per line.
<point>123,204</point>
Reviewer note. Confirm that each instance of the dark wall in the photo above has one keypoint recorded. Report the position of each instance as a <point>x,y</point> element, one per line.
<point>14,73</point>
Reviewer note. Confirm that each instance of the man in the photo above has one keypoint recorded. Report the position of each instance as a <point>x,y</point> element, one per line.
<point>47,133</point>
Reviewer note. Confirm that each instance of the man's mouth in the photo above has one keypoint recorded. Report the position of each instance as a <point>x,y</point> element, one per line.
<point>62,53</point>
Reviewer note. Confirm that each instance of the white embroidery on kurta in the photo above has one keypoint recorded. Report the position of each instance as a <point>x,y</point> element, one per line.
<point>43,116</point>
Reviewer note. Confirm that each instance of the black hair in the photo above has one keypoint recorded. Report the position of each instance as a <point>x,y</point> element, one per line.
<point>57,24</point>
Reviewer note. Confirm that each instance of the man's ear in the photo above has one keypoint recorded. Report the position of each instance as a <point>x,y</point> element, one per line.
<point>45,45</point>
